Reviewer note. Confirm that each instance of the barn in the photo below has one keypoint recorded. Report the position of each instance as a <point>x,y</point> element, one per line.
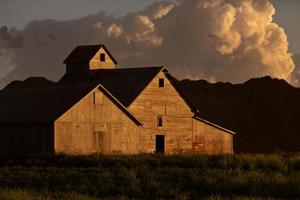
<point>99,108</point>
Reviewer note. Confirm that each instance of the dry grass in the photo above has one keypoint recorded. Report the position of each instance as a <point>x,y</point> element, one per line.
<point>152,177</point>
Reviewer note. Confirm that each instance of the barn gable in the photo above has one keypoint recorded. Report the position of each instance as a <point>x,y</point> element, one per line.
<point>162,98</point>
<point>97,123</point>
<point>170,82</point>
<point>97,100</point>
<point>90,57</point>
<point>178,96</point>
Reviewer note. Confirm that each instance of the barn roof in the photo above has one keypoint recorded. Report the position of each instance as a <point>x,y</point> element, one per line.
<point>46,104</point>
<point>121,85</point>
<point>174,82</point>
<point>124,83</point>
<point>197,117</point>
<point>83,54</point>
<point>38,104</point>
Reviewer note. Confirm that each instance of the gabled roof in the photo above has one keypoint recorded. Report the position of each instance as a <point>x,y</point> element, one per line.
<point>120,105</point>
<point>39,104</point>
<point>83,54</point>
<point>174,83</point>
<point>212,124</point>
<point>123,83</point>
<point>44,105</point>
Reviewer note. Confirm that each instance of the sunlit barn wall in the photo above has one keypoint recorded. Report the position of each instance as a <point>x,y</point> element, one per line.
<point>179,127</point>
<point>95,125</point>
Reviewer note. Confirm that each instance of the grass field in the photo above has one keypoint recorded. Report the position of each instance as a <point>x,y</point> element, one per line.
<point>151,177</point>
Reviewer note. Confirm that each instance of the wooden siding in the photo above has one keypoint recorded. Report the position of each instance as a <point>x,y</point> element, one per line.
<point>211,140</point>
<point>182,132</point>
<point>95,124</point>
<point>177,121</point>
<point>95,62</point>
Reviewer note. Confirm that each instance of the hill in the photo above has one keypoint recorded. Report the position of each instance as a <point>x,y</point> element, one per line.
<point>264,112</point>
<point>30,82</point>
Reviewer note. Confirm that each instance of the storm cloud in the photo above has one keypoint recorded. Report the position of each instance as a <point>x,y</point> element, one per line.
<point>218,40</point>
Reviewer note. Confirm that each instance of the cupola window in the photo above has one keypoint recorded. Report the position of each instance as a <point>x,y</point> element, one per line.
<point>161,82</point>
<point>102,57</point>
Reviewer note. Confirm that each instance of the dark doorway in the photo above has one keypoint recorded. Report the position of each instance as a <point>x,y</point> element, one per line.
<point>160,144</point>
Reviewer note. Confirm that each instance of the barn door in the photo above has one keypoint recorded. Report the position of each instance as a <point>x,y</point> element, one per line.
<point>160,144</point>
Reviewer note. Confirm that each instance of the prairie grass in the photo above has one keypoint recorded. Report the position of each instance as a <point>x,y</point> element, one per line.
<point>189,176</point>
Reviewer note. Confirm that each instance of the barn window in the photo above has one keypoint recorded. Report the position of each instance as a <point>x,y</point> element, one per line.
<point>102,57</point>
<point>159,121</point>
<point>161,82</point>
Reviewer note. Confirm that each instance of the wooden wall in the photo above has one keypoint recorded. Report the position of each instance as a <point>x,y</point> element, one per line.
<point>179,126</point>
<point>26,139</point>
<point>96,64</point>
<point>94,125</point>
<point>210,140</point>
<point>164,101</point>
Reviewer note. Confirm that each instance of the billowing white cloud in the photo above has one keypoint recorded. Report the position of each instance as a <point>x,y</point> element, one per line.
<point>142,30</point>
<point>219,40</point>
<point>114,30</point>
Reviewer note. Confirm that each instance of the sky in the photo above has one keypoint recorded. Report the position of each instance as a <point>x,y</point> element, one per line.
<point>17,13</point>
<point>125,21</point>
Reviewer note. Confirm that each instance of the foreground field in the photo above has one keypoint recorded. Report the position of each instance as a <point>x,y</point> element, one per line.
<point>151,177</point>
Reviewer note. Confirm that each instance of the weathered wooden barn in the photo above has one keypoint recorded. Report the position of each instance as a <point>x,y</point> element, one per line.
<point>98,108</point>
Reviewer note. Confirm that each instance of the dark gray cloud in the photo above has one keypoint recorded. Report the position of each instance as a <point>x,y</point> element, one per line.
<point>10,39</point>
<point>219,40</point>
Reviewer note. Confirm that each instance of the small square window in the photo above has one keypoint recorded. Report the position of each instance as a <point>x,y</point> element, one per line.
<point>102,57</point>
<point>161,82</point>
<point>159,121</point>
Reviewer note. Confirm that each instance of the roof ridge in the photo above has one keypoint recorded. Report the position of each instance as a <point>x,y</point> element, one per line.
<point>131,115</point>
<point>89,45</point>
<point>83,53</point>
<point>126,68</point>
<point>81,84</point>
<point>213,124</point>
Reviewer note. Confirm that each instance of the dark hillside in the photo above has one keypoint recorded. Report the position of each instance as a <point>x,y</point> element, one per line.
<point>264,112</point>
<point>30,83</point>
